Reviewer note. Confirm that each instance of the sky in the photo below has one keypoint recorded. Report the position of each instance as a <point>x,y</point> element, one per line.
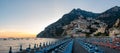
<point>26,18</point>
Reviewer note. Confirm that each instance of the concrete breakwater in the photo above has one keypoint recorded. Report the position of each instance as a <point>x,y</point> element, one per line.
<point>72,45</point>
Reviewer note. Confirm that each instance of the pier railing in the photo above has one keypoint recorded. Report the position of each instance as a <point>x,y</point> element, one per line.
<point>60,46</point>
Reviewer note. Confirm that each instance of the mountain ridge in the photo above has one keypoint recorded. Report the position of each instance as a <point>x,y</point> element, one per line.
<point>110,15</point>
<point>55,29</point>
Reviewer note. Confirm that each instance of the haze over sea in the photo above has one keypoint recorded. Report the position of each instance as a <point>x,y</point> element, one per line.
<point>15,43</point>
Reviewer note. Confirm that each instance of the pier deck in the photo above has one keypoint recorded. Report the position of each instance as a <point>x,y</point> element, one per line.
<point>73,46</point>
<point>78,48</point>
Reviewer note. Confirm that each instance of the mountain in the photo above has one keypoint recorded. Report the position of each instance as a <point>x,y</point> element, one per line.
<point>109,17</point>
<point>55,29</point>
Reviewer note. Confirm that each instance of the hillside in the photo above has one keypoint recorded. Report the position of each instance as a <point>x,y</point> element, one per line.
<point>108,17</point>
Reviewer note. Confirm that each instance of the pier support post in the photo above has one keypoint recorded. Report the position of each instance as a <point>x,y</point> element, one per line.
<point>34,46</point>
<point>10,51</point>
<point>29,46</point>
<point>20,47</point>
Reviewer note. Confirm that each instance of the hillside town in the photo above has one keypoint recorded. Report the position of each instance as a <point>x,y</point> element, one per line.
<point>84,27</point>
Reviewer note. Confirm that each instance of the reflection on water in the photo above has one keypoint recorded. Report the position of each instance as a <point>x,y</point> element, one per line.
<point>15,43</point>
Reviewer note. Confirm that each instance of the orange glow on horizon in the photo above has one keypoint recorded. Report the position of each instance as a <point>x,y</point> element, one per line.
<point>16,35</point>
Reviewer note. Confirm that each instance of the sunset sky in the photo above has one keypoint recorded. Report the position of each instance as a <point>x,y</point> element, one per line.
<point>26,18</point>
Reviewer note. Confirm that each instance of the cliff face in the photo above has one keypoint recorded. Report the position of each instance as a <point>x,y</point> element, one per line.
<point>109,17</point>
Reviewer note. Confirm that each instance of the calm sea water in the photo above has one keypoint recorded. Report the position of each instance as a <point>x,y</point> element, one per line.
<point>15,43</point>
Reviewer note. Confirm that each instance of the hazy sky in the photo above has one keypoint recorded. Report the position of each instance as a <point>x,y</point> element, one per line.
<point>32,16</point>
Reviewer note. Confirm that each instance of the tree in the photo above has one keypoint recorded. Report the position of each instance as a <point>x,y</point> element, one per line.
<point>98,34</point>
<point>101,34</point>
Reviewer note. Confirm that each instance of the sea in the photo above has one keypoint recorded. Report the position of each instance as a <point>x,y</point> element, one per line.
<point>16,42</point>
